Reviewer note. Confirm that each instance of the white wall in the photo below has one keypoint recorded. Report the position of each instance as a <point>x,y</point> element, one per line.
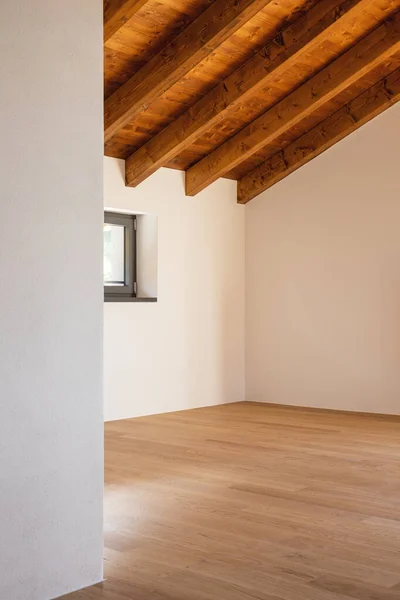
<point>50,297</point>
<point>323,278</point>
<point>147,255</point>
<point>187,350</point>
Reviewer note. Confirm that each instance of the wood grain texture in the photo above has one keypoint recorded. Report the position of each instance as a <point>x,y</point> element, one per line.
<point>330,48</point>
<point>324,112</point>
<point>117,13</point>
<point>184,79</point>
<point>303,37</point>
<point>362,109</point>
<point>377,47</point>
<point>248,501</point>
<point>181,55</point>
<point>152,29</point>
<point>144,36</point>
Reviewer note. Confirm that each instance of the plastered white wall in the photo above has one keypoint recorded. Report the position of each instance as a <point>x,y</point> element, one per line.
<point>187,350</point>
<point>323,278</point>
<point>147,255</point>
<point>50,297</point>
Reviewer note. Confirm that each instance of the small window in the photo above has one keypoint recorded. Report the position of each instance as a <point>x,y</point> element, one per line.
<point>119,257</point>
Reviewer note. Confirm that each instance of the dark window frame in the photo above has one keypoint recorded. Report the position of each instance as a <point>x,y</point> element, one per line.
<point>127,292</point>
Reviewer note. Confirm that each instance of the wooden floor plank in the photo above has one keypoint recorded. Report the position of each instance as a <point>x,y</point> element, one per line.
<point>250,501</point>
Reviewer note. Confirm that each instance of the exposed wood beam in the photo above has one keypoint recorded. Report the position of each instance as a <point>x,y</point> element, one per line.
<point>336,127</point>
<point>351,66</point>
<point>190,47</point>
<point>302,37</point>
<point>117,13</point>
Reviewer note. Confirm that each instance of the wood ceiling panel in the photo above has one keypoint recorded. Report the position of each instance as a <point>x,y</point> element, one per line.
<point>382,43</point>
<point>145,34</point>
<point>314,141</point>
<point>211,71</point>
<point>332,46</point>
<point>325,111</point>
<point>191,102</point>
<point>117,13</point>
<point>182,54</point>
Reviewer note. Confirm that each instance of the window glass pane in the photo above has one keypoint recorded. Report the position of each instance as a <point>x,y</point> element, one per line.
<point>114,254</point>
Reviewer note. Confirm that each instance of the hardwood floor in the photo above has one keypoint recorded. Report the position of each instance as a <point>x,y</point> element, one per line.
<point>249,501</point>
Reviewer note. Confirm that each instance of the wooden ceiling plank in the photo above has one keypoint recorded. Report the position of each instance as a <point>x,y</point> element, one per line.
<point>183,53</point>
<point>355,63</point>
<point>302,37</point>
<point>117,13</point>
<point>340,124</point>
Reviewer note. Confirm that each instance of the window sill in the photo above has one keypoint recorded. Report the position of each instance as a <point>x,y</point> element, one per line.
<point>128,299</point>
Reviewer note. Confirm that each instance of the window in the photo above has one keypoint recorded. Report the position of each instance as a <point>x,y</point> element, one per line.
<point>119,257</point>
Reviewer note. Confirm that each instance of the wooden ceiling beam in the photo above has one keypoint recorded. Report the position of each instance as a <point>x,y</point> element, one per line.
<point>340,124</point>
<point>117,13</point>
<point>355,63</point>
<point>219,21</point>
<point>302,37</point>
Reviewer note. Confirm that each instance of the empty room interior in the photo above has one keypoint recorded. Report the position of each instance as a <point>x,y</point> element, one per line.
<point>200,300</point>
